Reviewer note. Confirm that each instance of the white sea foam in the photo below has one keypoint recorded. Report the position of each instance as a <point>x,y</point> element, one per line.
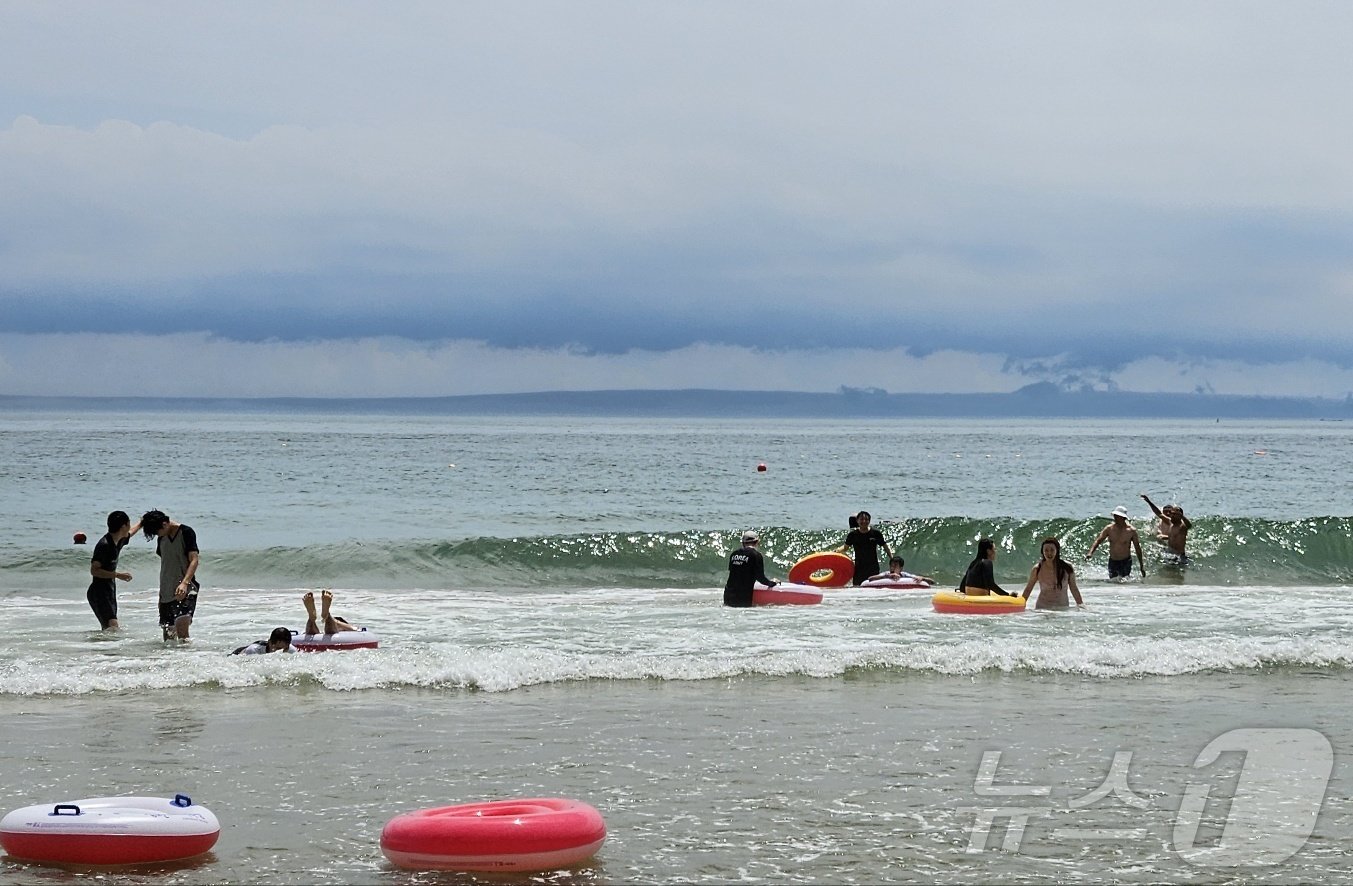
<point>503,641</point>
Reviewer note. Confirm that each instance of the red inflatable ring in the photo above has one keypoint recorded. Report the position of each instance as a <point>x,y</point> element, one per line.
<point>839,570</point>
<point>501,835</point>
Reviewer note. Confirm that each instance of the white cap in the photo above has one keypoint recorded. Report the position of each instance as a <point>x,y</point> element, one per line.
<point>750,535</point>
<point>1120,511</point>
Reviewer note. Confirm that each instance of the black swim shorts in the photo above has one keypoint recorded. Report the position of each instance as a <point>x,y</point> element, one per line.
<point>175,609</point>
<point>103,600</point>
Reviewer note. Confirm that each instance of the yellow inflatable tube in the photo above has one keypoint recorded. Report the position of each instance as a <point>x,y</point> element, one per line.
<point>954,602</point>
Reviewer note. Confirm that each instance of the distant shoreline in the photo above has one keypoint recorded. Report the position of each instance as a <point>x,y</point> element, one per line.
<point>1030,402</point>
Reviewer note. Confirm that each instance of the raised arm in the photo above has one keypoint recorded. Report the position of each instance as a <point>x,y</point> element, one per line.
<point>1152,505</point>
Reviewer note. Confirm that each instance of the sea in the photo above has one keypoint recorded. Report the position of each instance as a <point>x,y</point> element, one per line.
<point>547,594</point>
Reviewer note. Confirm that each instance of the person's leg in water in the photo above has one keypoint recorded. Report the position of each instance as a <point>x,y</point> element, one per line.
<point>311,619</point>
<point>333,625</point>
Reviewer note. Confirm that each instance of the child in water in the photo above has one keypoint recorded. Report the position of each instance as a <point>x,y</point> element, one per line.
<point>895,573</point>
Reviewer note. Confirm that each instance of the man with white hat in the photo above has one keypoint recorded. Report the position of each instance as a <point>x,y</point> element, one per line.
<point>1122,539</point>
<point>745,569</point>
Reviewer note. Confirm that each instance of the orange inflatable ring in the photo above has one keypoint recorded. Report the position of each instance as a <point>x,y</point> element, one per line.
<point>501,835</point>
<point>838,568</point>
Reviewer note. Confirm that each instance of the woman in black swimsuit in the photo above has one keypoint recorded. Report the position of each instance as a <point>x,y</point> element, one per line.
<point>980,577</point>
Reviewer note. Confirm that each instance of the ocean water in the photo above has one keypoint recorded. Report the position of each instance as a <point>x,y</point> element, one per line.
<point>547,590</point>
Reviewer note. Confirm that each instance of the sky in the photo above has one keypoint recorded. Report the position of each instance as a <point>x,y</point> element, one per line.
<point>338,199</point>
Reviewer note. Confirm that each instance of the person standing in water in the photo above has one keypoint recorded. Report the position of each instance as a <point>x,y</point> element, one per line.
<point>176,546</point>
<point>1175,535</point>
<point>102,593</point>
<point>746,567</point>
<point>1054,577</point>
<point>866,541</point>
<point>1122,538</point>
<point>979,579</point>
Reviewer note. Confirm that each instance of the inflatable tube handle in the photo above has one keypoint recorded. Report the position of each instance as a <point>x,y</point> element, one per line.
<point>71,808</point>
<point>181,800</point>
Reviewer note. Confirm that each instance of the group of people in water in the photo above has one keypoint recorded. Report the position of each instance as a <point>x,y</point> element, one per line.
<point>176,546</point>
<point>1053,576</point>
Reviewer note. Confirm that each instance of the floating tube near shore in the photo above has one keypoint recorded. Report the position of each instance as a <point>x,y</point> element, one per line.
<point>825,569</point>
<point>785,594</point>
<point>539,834</point>
<point>343,640</point>
<point>110,831</point>
<point>955,603</point>
<point>898,584</point>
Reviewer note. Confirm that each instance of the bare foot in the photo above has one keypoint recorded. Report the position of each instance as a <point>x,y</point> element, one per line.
<point>311,625</point>
<point>330,625</point>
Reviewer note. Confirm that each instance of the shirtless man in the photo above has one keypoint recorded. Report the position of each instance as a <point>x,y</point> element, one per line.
<point>1123,540</point>
<point>1174,534</point>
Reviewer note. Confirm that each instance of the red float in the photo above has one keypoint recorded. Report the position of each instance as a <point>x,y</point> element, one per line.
<point>785,595</point>
<point>501,835</point>
<point>825,569</point>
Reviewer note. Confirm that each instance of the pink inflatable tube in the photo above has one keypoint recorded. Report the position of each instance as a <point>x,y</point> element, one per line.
<point>501,835</point>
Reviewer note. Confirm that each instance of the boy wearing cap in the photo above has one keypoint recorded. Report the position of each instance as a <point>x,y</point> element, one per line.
<point>745,568</point>
<point>1122,540</point>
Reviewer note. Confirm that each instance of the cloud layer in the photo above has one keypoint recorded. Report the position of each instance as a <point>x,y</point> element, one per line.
<point>1110,194</point>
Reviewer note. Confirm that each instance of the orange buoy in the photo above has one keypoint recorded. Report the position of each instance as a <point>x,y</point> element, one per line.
<point>79,538</point>
<point>825,569</point>
<point>761,468</point>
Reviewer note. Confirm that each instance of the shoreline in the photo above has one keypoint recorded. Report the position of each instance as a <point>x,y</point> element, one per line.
<point>861,778</point>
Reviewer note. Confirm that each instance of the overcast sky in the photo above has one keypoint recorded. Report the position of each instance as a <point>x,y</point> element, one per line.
<point>368,199</point>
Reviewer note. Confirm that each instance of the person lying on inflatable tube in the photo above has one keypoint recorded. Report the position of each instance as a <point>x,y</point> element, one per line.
<point>895,573</point>
<point>280,638</point>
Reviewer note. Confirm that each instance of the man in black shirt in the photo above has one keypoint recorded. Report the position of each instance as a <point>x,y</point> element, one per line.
<point>745,569</point>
